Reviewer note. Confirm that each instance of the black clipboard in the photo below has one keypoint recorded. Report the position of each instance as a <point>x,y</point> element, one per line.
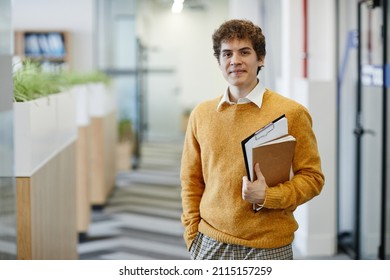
<point>275,129</point>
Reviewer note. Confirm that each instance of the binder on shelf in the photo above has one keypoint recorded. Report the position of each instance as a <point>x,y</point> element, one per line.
<point>32,45</point>
<point>45,45</point>
<point>56,44</point>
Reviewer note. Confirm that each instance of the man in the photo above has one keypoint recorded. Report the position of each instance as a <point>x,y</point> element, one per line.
<point>217,196</point>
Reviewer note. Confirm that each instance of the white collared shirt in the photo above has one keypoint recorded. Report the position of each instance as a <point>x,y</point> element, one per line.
<point>255,96</point>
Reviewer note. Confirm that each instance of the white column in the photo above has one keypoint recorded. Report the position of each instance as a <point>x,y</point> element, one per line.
<point>317,234</point>
<point>291,47</point>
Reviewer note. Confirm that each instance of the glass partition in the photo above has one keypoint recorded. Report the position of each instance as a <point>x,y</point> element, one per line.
<point>386,117</point>
<point>119,55</point>
<point>346,104</point>
<point>370,127</point>
<point>7,180</point>
<point>360,101</point>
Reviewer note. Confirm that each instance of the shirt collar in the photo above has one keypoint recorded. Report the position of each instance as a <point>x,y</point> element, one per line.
<point>255,96</point>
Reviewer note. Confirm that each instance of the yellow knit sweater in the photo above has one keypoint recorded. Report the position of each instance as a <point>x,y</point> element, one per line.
<point>213,166</point>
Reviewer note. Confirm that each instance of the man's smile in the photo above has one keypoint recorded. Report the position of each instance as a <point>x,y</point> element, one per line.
<point>237,71</point>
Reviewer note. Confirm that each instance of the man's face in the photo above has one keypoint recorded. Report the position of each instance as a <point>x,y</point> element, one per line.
<point>239,63</point>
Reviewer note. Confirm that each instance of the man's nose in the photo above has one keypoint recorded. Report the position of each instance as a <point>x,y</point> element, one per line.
<point>235,59</point>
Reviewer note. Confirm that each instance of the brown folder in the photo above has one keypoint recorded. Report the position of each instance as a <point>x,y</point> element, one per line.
<point>275,159</point>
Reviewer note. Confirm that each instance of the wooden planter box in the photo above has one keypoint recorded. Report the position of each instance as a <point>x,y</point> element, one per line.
<point>103,131</point>
<point>45,147</point>
<point>83,197</point>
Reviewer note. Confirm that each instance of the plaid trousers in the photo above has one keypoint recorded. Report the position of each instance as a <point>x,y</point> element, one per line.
<point>206,248</point>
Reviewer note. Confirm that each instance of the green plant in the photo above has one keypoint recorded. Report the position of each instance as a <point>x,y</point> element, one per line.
<point>31,82</point>
<point>96,77</point>
<point>76,78</point>
<point>125,130</point>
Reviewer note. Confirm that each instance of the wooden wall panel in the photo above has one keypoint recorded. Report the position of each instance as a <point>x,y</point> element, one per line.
<point>103,157</point>
<point>23,218</point>
<point>96,162</point>
<point>68,216</point>
<point>83,207</point>
<point>46,206</point>
<point>111,140</point>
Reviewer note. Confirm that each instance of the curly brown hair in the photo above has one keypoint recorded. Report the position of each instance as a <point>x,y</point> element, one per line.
<point>239,29</point>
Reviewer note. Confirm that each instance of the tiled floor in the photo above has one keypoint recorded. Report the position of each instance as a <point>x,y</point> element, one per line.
<point>7,219</point>
<point>142,217</point>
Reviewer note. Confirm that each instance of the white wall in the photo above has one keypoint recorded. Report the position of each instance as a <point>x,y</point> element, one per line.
<point>72,15</point>
<point>187,37</point>
<point>322,51</point>
<point>245,9</point>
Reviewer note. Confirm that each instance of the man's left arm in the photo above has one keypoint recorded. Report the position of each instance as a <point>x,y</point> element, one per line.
<point>308,178</point>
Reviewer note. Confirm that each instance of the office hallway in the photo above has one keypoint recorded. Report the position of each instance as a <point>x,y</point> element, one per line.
<point>142,217</point>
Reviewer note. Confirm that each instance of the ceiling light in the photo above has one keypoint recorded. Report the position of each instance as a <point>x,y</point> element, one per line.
<point>177,6</point>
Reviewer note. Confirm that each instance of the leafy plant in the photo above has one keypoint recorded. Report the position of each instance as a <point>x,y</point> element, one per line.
<point>75,78</point>
<point>125,130</point>
<point>31,81</point>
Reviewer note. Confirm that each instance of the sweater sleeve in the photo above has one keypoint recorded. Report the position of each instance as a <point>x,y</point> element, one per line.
<point>308,178</point>
<point>192,183</point>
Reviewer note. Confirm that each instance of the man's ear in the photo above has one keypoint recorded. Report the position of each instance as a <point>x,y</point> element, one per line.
<point>261,61</point>
<point>260,64</point>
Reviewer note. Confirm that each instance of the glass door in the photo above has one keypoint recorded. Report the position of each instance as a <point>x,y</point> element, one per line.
<point>121,55</point>
<point>368,129</point>
<point>361,128</point>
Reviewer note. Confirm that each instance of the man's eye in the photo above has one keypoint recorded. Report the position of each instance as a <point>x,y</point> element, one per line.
<point>227,54</point>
